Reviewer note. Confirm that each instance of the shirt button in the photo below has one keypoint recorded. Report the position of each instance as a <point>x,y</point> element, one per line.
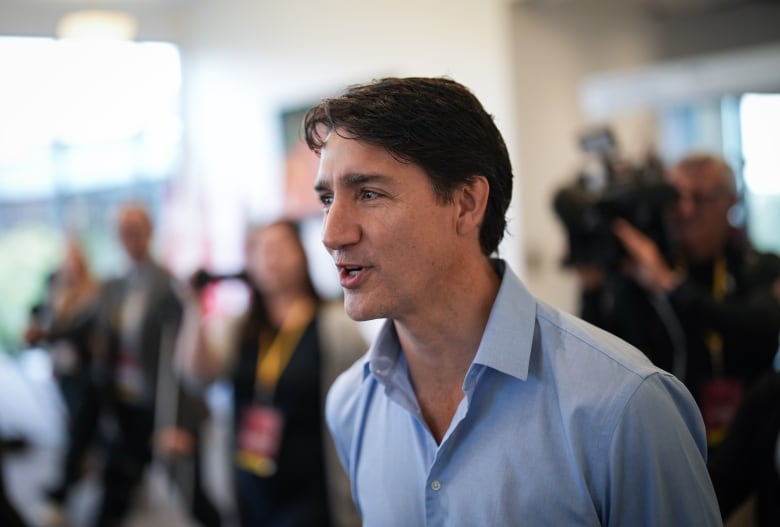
<point>435,484</point>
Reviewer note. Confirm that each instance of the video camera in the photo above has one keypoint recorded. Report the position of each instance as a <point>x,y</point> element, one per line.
<point>588,207</point>
<point>201,278</point>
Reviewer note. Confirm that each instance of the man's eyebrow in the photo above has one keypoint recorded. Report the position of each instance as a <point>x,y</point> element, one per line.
<point>321,186</point>
<point>352,180</point>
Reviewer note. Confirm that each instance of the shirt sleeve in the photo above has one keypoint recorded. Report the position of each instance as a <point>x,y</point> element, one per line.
<point>657,464</point>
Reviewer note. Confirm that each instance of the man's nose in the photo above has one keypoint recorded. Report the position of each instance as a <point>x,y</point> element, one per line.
<point>340,227</point>
<point>685,205</point>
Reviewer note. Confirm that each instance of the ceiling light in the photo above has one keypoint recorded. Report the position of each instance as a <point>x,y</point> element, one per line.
<point>98,24</point>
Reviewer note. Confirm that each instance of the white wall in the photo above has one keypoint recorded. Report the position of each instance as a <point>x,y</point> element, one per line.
<point>556,46</point>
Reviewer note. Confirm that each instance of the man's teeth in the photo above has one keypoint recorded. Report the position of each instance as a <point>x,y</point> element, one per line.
<point>352,270</point>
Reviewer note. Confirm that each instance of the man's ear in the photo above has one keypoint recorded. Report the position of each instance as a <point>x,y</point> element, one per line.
<point>472,197</point>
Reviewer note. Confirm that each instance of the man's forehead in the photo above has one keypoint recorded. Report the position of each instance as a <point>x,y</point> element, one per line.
<point>133,219</point>
<point>702,177</point>
<point>358,162</point>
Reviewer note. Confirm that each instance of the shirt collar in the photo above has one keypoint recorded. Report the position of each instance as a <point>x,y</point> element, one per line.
<point>505,345</point>
<point>508,337</point>
<point>384,353</point>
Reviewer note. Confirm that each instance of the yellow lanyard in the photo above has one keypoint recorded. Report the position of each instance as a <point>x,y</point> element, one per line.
<point>272,361</point>
<point>720,278</point>
<point>714,340</point>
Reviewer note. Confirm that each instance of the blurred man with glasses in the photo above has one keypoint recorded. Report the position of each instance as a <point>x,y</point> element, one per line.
<point>719,320</point>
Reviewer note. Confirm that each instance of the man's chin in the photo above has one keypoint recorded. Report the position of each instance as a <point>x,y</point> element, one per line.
<point>359,311</point>
<point>359,316</point>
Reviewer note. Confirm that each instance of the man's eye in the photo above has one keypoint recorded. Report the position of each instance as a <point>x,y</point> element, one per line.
<point>368,194</point>
<point>326,200</point>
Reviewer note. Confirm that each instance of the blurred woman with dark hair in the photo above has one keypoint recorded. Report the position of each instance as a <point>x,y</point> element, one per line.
<point>282,354</point>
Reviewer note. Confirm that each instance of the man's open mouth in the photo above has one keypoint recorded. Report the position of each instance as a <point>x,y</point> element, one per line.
<point>352,270</point>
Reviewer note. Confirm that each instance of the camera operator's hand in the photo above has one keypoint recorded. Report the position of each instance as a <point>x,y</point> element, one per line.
<point>33,334</point>
<point>645,265</point>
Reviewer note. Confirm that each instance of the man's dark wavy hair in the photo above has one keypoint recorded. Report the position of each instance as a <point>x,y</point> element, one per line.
<point>435,123</point>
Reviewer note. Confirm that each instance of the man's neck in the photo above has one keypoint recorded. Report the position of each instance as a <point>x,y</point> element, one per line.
<point>441,344</point>
<point>141,262</point>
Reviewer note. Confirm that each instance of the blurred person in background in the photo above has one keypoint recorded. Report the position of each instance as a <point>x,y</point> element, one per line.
<point>748,460</point>
<point>142,410</point>
<point>713,294</point>
<point>281,356</point>
<point>64,324</point>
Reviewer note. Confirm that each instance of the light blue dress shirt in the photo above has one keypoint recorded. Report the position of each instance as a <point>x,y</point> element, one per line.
<point>561,424</point>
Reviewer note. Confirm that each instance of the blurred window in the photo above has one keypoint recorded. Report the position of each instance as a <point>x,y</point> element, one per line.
<point>760,125</point>
<point>84,124</point>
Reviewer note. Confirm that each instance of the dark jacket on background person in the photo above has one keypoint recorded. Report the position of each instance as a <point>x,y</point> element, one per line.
<point>139,391</point>
<point>748,460</point>
<point>9,516</point>
<point>310,487</point>
<point>747,319</point>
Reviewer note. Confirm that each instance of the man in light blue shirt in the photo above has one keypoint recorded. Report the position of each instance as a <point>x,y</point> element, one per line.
<point>478,404</point>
